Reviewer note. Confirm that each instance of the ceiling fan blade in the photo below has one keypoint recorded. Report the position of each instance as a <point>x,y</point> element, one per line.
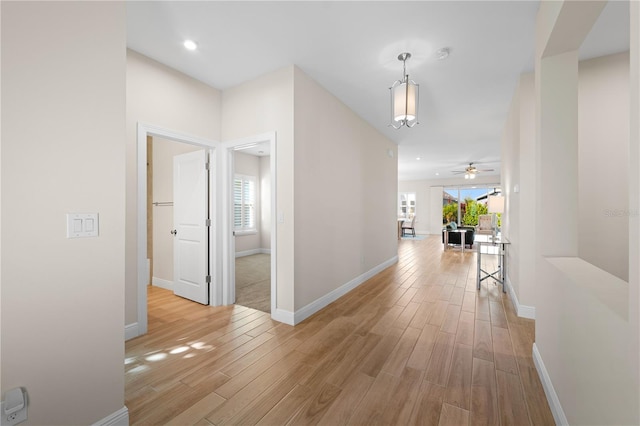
<point>486,170</point>
<point>457,172</point>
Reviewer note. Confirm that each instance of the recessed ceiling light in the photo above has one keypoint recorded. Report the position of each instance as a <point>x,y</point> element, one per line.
<point>442,54</point>
<point>418,158</point>
<point>437,174</point>
<point>190,45</point>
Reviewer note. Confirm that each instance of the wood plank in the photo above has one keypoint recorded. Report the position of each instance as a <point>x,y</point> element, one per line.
<point>484,394</point>
<point>378,356</point>
<point>197,411</point>
<point>438,370</point>
<point>423,349</point>
<point>482,306</point>
<point>498,317</point>
<point>439,312</point>
<point>451,318</point>
<point>458,390</point>
<point>403,399</point>
<point>398,358</point>
<point>466,327</point>
<point>457,296</point>
<point>453,416</point>
<point>539,411</point>
<point>482,342</point>
<point>422,315</point>
<point>374,403</point>
<point>469,301</point>
<point>244,398</point>
<point>503,351</point>
<point>407,315</point>
<point>343,408</point>
<point>317,406</point>
<point>429,405</point>
<point>513,410</point>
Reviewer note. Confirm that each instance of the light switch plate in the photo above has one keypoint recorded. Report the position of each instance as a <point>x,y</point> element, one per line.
<point>82,225</point>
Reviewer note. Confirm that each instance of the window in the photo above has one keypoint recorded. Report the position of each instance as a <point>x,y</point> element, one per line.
<point>463,205</point>
<point>244,203</point>
<point>407,205</point>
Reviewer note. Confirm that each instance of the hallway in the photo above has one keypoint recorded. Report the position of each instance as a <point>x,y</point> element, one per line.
<point>416,344</point>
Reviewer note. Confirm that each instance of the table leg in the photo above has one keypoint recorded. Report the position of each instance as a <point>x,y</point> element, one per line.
<point>478,269</point>
<point>503,267</point>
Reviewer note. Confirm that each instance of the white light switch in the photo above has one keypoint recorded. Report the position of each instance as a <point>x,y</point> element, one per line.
<point>82,225</point>
<point>280,217</point>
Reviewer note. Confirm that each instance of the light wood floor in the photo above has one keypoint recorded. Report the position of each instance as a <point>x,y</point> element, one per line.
<point>416,344</point>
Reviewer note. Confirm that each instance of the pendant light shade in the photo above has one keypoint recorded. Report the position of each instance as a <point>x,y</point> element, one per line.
<point>404,99</point>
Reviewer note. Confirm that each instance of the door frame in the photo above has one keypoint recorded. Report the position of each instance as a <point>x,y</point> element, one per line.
<point>144,130</point>
<point>228,242</point>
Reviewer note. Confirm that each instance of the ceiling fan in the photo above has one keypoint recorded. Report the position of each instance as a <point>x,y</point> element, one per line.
<point>470,171</point>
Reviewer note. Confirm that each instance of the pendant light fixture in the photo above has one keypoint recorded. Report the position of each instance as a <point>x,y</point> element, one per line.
<point>404,98</point>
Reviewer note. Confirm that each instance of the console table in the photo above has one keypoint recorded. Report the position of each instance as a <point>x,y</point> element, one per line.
<point>500,275</point>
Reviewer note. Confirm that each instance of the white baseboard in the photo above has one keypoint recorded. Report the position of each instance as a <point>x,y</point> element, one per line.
<point>552,396</point>
<point>313,307</point>
<point>252,252</point>
<point>131,331</point>
<point>162,283</point>
<point>119,418</point>
<point>521,310</point>
<point>281,315</point>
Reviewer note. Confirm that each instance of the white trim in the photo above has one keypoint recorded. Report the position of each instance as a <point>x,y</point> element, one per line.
<point>283,316</point>
<point>552,396</point>
<point>144,130</point>
<point>313,307</point>
<point>159,282</point>
<point>522,311</point>
<point>131,331</point>
<point>252,252</point>
<point>119,418</point>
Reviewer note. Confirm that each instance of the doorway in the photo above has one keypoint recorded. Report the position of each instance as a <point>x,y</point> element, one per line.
<point>146,132</point>
<point>247,159</point>
<point>252,225</point>
<point>177,216</point>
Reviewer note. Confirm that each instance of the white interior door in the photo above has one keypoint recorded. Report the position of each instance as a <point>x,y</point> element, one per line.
<point>190,214</point>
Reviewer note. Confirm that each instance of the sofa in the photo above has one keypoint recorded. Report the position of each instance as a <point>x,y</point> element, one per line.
<point>454,237</point>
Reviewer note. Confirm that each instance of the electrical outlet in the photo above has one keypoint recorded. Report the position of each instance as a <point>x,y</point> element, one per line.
<point>13,418</point>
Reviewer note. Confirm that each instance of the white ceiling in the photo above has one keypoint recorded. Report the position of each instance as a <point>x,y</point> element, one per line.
<point>351,49</point>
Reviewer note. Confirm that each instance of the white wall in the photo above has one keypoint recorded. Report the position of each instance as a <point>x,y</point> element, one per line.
<point>345,193</point>
<point>253,108</point>
<point>160,96</point>
<point>63,151</point>
<point>587,319</point>
<point>519,189</point>
<point>603,155</point>
<point>163,152</point>
<point>428,212</point>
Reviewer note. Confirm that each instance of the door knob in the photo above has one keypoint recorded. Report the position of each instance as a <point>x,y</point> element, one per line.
<point>174,232</point>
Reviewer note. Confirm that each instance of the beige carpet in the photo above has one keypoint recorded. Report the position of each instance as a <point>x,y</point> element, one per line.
<point>253,282</point>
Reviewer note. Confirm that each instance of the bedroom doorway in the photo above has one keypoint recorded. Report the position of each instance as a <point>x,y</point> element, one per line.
<point>249,233</point>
